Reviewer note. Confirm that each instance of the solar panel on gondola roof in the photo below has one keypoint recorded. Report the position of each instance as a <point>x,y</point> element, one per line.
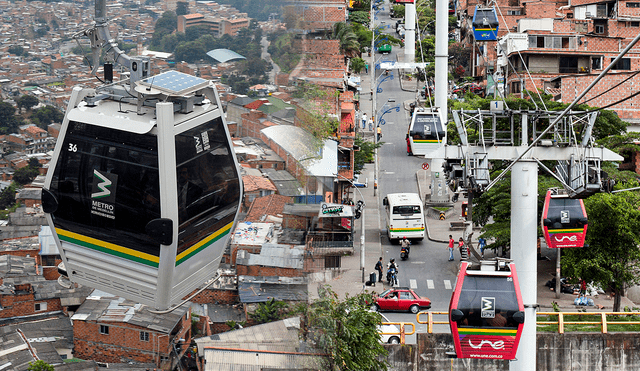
<point>175,83</point>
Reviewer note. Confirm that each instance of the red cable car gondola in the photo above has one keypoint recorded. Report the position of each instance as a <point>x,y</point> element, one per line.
<point>486,313</point>
<point>564,220</point>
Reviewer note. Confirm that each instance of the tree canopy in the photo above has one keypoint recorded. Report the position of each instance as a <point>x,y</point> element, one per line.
<point>27,102</point>
<point>612,257</point>
<point>345,330</point>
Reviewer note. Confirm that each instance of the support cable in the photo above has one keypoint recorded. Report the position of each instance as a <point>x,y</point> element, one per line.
<point>569,107</point>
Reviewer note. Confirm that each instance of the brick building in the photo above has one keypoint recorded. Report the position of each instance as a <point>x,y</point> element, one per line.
<point>563,46</point>
<point>256,186</point>
<point>114,330</point>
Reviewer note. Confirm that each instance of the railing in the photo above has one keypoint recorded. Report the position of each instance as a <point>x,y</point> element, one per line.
<point>602,319</point>
<point>402,331</point>
<point>561,322</point>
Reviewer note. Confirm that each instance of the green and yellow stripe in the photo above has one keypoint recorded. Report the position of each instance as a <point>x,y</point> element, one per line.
<point>183,256</point>
<point>407,229</point>
<point>108,248</point>
<point>492,332</point>
<point>572,230</point>
<point>423,141</point>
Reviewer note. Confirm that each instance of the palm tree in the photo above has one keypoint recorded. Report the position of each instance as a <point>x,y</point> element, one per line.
<point>349,44</point>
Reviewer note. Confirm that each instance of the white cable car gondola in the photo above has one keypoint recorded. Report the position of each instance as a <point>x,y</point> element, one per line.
<point>426,132</point>
<point>143,188</point>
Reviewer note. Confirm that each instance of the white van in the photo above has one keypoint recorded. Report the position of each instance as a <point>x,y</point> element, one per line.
<point>405,216</point>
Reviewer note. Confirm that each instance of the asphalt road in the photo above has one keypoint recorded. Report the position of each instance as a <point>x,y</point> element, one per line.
<point>427,270</point>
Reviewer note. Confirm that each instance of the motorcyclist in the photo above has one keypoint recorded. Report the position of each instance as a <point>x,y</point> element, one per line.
<point>405,244</point>
<point>392,265</point>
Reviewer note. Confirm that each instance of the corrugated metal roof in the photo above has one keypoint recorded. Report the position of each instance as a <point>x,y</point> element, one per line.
<point>274,255</point>
<point>286,184</point>
<point>261,289</point>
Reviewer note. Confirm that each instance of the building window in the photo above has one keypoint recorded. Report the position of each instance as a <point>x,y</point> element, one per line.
<point>633,5</point>
<point>634,24</point>
<point>599,29</point>
<point>104,330</point>
<point>332,261</point>
<point>514,12</point>
<point>516,87</point>
<point>49,260</point>
<point>40,307</point>
<point>596,63</point>
<point>570,15</point>
<point>144,336</point>
<point>623,64</point>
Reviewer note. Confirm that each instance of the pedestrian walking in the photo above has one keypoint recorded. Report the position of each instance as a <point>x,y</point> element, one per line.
<point>482,243</point>
<point>463,250</point>
<point>364,121</point>
<point>451,242</point>
<point>379,133</point>
<point>370,124</point>
<point>379,268</point>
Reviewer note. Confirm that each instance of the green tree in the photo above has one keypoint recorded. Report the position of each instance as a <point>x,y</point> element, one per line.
<point>365,154</point>
<point>15,50</point>
<point>27,102</point>
<point>349,44</point>
<point>269,311</point>
<point>8,120</point>
<point>165,25</point>
<point>346,330</point>
<point>357,64</point>
<point>46,115</point>
<point>25,175</point>
<point>359,17</point>
<point>182,8</point>
<point>612,258</point>
<point>40,365</point>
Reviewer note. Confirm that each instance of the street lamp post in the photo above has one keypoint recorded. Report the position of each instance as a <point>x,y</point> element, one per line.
<point>364,204</point>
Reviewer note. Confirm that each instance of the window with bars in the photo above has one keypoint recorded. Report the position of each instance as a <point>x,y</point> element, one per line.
<point>144,336</point>
<point>104,330</point>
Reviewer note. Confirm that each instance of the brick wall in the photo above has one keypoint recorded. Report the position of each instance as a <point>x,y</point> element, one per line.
<point>218,296</point>
<point>25,304</point>
<point>123,344</point>
<point>258,270</point>
<point>294,221</point>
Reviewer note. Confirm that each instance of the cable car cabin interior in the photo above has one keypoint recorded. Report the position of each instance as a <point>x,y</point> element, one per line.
<point>143,193</point>
<point>485,24</point>
<point>564,220</point>
<point>426,132</point>
<point>486,313</point>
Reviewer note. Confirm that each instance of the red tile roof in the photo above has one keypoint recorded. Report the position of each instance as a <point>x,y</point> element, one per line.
<point>255,183</point>
<point>267,205</point>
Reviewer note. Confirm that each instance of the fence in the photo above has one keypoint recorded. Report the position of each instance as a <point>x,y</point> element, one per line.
<point>561,322</point>
<point>402,332</point>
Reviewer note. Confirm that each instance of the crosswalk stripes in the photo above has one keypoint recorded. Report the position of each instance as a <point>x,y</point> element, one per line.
<point>447,284</point>
<point>413,284</point>
<point>430,285</point>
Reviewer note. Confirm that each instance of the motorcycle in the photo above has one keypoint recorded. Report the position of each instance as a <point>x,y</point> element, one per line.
<point>404,253</point>
<point>392,276</point>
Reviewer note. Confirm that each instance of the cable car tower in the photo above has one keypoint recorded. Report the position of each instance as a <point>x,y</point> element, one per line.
<point>143,188</point>
<point>566,140</point>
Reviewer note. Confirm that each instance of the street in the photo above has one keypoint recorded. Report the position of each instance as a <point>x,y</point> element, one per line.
<point>427,270</point>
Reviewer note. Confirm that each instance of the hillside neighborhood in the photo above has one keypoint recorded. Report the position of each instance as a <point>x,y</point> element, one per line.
<point>282,242</point>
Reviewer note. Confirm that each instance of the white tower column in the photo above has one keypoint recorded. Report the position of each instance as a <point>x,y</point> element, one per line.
<point>524,228</point>
<point>409,32</point>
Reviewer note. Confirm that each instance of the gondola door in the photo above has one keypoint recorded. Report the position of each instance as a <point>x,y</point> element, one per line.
<point>486,313</point>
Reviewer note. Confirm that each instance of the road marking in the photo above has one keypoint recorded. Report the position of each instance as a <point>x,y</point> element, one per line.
<point>389,172</point>
<point>413,284</point>
<point>447,284</point>
<point>430,284</point>
<point>417,262</point>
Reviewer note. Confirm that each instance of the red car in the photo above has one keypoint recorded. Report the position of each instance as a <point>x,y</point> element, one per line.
<point>400,299</point>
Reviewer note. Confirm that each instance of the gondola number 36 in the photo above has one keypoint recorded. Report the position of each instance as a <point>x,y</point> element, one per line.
<point>73,147</point>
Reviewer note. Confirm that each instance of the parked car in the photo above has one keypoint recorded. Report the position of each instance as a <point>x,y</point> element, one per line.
<point>400,299</point>
<point>389,334</point>
<point>384,49</point>
<point>360,184</point>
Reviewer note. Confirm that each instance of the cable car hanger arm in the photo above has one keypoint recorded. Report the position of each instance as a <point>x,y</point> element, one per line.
<point>569,107</point>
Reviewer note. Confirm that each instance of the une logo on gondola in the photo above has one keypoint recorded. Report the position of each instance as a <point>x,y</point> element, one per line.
<point>497,345</point>
<point>488,307</point>
<point>103,194</point>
